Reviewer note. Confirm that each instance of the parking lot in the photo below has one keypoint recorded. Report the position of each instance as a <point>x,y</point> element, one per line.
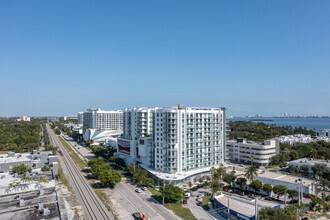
<point>192,204</point>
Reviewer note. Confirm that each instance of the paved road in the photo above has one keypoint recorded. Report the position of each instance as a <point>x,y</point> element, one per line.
<point>93,207</point>
<point>82,150</point>
<point>127,199</point>
<point>197,210</point>
<point>142,202</point>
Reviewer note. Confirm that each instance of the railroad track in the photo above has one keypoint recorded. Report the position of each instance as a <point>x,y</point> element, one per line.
<point>77,176</point>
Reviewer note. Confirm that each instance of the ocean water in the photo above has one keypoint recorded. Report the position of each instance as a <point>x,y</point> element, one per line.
<point>309,123</point>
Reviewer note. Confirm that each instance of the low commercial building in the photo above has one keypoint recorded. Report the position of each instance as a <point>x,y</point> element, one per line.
<point>53,118</point>
<point>309,162</point>
<point>324,133</point>
<point>241,150</point>
<point>24,118</point>
<point>239,208</point>
<point>291,182</point>
<point>293,139</point>
<point>33,160</point>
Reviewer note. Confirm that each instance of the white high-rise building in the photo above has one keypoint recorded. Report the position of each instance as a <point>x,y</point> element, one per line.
<point>80,117</point>
<point>174,140</point>
<point>104,120</point>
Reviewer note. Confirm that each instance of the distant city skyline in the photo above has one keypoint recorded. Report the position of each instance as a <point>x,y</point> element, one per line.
<point>255,57</point>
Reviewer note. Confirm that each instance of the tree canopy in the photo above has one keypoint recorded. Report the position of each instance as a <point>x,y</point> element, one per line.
<point>241,182</point>
<point>19,136</point>
<point>21,169</point>
<point>171,193</point>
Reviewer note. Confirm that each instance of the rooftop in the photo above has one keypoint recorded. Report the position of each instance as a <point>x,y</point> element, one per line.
<point>279,176</point>
<point>6,158</point>
<point>311,161</point>
<point>243,206</point>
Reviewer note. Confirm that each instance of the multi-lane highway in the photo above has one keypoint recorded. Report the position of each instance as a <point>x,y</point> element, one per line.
<point>92,205</point>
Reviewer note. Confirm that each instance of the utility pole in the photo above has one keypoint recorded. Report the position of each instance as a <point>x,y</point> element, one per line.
<point>163,192</point>
<point>302,191</point>
<point>256,208</point>
<point>228,211</point>
<point>299,194</point>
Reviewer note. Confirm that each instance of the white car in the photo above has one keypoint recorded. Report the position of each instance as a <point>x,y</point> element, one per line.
<point>241,165</point>
<point>138,190</point>
<point>187,195</point>
<point>201,195</point>
<point>144,188</point>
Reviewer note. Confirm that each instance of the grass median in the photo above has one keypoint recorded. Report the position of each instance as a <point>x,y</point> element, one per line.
<point>205,203</point>
<point>177,207</point>
<point>81,164</point>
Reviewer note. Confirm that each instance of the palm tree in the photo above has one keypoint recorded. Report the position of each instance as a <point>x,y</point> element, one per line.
<point>251,173</point>
<point>252,159</point>
<point>11,185</point>
<point>313,153</point>
<point>217,173</point>
<point>184,170</point>
<point>43,180</point>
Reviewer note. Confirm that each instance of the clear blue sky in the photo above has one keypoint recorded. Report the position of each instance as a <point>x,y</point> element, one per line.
<point>266,57</point>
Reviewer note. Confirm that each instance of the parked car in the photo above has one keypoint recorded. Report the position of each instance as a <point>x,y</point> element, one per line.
<point>144,188</point>
<point>138,190</point>
<point>200,201</point>
<point>308,196</point>
<point>241,165</point>
<point>201,195</point>
<point>185,201</point>
<point>187,195</point>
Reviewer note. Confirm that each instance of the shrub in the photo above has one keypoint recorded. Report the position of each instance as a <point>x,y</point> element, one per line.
<point>21,169</point>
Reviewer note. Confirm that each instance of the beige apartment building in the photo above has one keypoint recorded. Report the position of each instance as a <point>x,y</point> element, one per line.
<point>241,150</point>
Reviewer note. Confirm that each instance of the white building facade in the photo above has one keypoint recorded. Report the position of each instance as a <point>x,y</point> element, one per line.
<point>80,117</point>
<point>324,133</point>
<point>104,120</point>
<point>174,140</point>
<point>240,151</point>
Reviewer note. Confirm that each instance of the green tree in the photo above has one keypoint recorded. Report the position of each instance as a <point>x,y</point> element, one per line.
<point>317,204</point>
<point>241,182</point>
<point>57,131</point>
<point>304,169</point>
<point>267,188</point>
<point>21,169</point>
<point>171,193</point>
<point>288,213</point>
<point>292,194</point>
<point>256,185</point>
<point>141,177</point>
<point>43,180</point>
<point>109,177</point>
<point>251,173</point>
<point>45,167</point>
<point>319,169</point>
<point>229,178</point>
<point>279,190</point>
